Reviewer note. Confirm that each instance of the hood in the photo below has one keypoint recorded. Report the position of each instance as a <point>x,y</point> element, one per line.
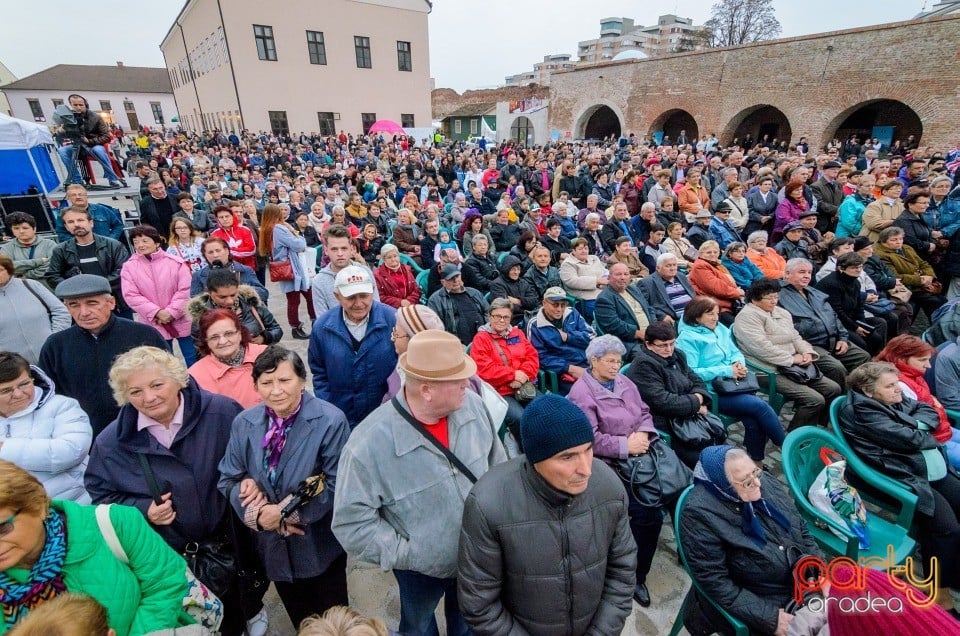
<point>508,262</point>
<point>201,302</point>
<point>45,390</point>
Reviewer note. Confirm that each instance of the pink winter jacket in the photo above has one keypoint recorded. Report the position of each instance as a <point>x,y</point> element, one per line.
<point>161,281</point>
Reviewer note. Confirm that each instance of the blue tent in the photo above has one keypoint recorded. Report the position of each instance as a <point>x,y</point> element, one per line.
<point>25,157</point>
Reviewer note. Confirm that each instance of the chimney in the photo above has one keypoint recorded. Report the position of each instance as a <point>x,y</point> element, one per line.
<point>119,64</point>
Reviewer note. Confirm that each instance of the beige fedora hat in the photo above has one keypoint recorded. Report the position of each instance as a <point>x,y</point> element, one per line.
<point>436,356</point>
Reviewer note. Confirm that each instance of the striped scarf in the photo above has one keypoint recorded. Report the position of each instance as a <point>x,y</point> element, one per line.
<point>46,576</point>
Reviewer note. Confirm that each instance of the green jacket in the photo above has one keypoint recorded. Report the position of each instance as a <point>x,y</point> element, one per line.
<point>143,597</point>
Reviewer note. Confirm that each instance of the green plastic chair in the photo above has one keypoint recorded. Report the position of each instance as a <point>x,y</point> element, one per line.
<point>548,381</point>
<point>422,276</point>
<point>775,399</point>
<point>406,259</point>
<point>953,416</point>
<point>879,488</point>
<point>802,465</point>
<point>739,628</point>
<point>501,256</point>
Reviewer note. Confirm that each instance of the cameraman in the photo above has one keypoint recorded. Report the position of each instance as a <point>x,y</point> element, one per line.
<point>92,133</point>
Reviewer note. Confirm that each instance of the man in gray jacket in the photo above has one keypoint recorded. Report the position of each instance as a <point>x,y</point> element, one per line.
<point>405,472</point>
<point>556,556</point>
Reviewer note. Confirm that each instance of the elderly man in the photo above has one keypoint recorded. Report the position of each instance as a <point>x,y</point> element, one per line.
<point>560,335</point>
<point>78,359</point>
<point>405,472</point>
<point>462,309</point>
<point>542,275</point>
<point>107,221</point>
<point>342,251</point>
<point>829,196</point>
<point>350,353</point>
<point>666,291</point>
<point>159,208</point>
<point>557,555</point>
<point>817,322</point>
<point>622,310</point>
<point>619,225</point>
<point>722,190</point>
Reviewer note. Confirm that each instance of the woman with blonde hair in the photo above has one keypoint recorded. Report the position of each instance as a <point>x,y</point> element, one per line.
<point>342,621</point>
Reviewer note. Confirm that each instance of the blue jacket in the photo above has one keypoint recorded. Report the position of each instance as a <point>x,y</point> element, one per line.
<point>710,352</point>
<point>555,354</point>
<point>851,215</point>
<point>724,232</point>
<point>569,227</point>
<point>107,221</point>
<point>353,381</point>
<point>946,216</point>
<point>744,272</point>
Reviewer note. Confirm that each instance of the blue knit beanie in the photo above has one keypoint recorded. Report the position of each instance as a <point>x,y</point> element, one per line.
<point>551,424</point>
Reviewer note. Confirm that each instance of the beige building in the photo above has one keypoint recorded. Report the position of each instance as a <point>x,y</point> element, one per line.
<point>5,78</point>
<point>670,34</point>
<point>300,65</point>
<point>542,70</point>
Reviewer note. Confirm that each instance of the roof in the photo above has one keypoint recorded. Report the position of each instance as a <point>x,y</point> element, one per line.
<point>104,79</point>
<point>473,110</point>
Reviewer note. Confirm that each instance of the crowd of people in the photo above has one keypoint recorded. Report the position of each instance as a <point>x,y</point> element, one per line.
<point>490,331</point>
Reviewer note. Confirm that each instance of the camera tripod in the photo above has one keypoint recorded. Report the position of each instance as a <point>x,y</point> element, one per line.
<point>83,172</point>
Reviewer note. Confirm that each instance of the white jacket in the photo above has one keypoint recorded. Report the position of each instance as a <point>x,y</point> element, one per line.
<point>50,439</point>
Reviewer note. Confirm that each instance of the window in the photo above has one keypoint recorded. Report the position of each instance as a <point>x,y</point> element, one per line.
<point>105,105</point>
<point>406,120</point>
<point>457,127</point>
<point>157,112</point>
<point>404,57</point>
<point>266,47</point>
<point>278,122</point>
<point>522,130</point>
<point>368,119</point>
<point>474,126</point>
<point>57,102</point>
<point>316,48</point>
<point>128,107</point>
<point>362,46</point>
<point>36,110</point>
<point>327,127</point>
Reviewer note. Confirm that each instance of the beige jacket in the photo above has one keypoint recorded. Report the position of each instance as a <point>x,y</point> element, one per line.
<point>580,279</point>
<point>877,212</point>
<point>769,338</point>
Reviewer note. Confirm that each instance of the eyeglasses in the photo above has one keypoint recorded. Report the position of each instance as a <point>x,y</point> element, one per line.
<point>751,480</point>
<point>662,345</point>
<point>611,361</point>
<point>500,317</point>
<point>394,336</point>
<point>23,386</point>
<point>226,335</point>
<point>7,526</point>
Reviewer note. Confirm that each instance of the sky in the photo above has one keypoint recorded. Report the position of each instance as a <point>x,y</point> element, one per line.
<point>472,44</point>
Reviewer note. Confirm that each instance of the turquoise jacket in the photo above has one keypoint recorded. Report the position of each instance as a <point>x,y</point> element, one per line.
<point>710,353</point>
<point>850,220</point>
<point>142,597</point>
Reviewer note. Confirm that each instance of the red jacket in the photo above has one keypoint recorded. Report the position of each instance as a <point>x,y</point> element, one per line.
<point>520,354</point>
<point>714,280</point>
<point>243,246</point>
<point>390,292</point>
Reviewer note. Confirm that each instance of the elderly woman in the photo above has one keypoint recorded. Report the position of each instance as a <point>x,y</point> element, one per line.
<point>711,354</point>
<point>480,268</point>
<point>709,277</point>
<point>742,535</point>
<point>740,267</point>
<point>30,313</point>
<point>160,455</point>
<point>156,285</point>
<point>622,426</point>
<point>274,447</point>
<point>793,205</point>
<point>506,360</point>
<point>916,233</point>
<point>847,298</point>
<point>895,435</point>
<point>511,286</point>
<point>228,356</point>
<point>624,252</point>
<point>407,235</point>
<point>913,271</point>
<point>44,433</point>
<point>584,276</point>
<point>395,281</point>
<point>765,333</point>
<point>880,214</point>
<point>762,205</point>
<point>54,547</point>
<point>669,386</point>
<point>224,292</point>
<point>675,243</point>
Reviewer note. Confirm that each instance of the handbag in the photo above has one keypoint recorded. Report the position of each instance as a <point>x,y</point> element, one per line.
<point>733,386</point>
<point>882,306</point>
<point>655,477</point>
<point>214,560</point>
<point>901,293</point>
<point>699,430</point>
<point>799,374</point>
<point>934,287</point>
<point>526,391</point>
<point>281,270</point>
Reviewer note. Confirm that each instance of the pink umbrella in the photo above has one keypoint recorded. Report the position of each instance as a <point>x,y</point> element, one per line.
<point>386,126</point>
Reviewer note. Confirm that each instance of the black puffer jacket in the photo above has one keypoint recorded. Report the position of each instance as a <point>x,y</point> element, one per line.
<point>751,582</point>
<point>520,288</point>
<point>253,314</point>
<point>887,438</point>
<point>667,386</point>
<point>479,271</point>
<point>540,561</point>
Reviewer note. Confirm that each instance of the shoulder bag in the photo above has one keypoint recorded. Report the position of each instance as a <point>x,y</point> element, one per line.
<point>33,291</point>
<point>655,477</point>
<point>526,391</point>
<point>420,428</point>
<point>733,386</point>
<point>281,270</point>
<point>799,374</point>
<point>699,430</point>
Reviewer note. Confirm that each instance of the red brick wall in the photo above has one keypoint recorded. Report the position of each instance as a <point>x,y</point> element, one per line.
<point>816,81</point>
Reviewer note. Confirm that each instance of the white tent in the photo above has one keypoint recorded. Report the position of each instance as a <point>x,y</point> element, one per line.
<point>17,134</point>
<point>25,157</point>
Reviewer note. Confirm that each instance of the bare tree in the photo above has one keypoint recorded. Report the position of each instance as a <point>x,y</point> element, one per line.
<point>736,22</point>
<point>692,41</point>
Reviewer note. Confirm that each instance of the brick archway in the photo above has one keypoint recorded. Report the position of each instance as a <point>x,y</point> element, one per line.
<point>860,119</point>
<point>757,121</point>
<point>672,121</point>
<point>610,117</point>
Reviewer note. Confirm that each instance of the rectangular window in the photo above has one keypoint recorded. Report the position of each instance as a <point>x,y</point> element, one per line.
<point>36,110</point>
<point>404,57</point>
<point>406,120</point>
<point>57,102</point>
<point>361,45</point>
<point>157,112</point>
<point>266,47</point>
<point>474,125</point>
<point>457,127</point>
<point>278,122</point>
<point>128,107</point>
<point>368,120</point>
<point>105,105</point>
<point>316,47</point>
<point>327,127</point>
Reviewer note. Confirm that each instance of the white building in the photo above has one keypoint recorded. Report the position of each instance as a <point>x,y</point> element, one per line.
<point>670,34</point>
<point>5,78</point>
<point>542,70</point>
<point>524,121</point>
<point>128,96</point>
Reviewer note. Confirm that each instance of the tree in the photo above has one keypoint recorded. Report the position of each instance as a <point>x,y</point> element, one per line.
<point>736,22</point>
<point>692,41</point>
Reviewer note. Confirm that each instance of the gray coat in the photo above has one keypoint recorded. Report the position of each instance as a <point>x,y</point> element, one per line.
<point>400,501</point>
<point>535,560</point>
<point>314,444</point>
<point>28,320</point>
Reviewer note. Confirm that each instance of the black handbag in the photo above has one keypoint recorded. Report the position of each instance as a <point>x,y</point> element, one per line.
<point>214,560</point>
<point>699,430</point>
<point>799,374</point>
<point>733,386</point>
<point>655,477</point>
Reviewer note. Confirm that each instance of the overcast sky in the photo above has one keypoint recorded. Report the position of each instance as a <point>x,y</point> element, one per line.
<point>472,44</point>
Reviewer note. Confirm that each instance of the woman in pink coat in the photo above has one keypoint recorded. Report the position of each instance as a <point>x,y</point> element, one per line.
<point>156,285</point>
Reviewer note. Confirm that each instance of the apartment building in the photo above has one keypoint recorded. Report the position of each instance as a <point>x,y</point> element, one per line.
<point>670,34</point>
<point>300,65</point>
<point>542,70</point>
